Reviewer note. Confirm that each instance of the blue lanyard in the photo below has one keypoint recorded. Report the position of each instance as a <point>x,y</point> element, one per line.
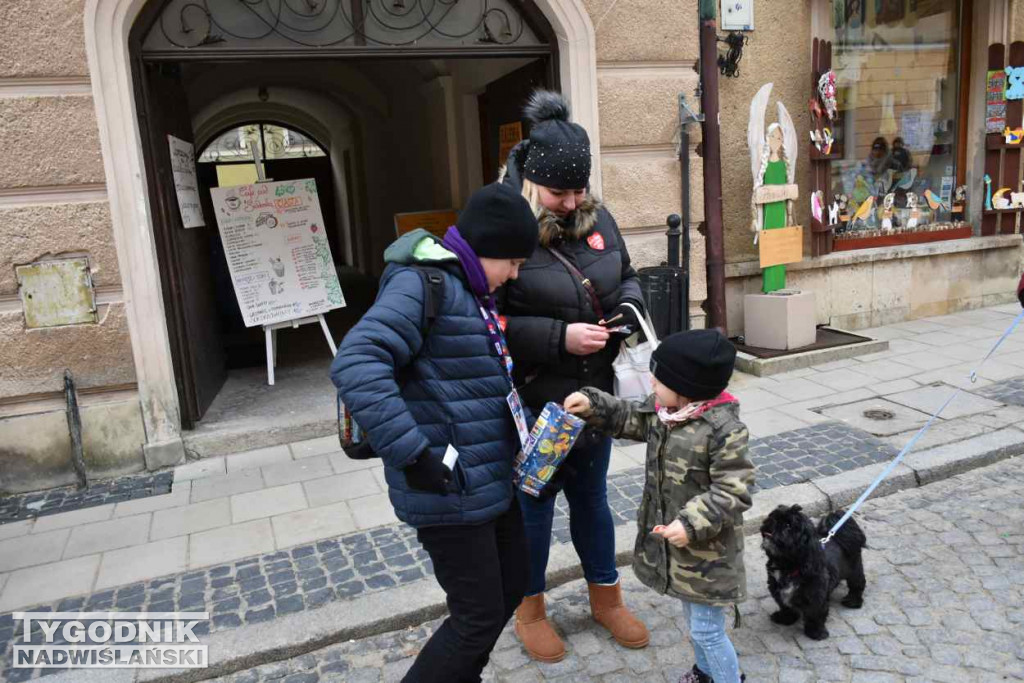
<point>497,337</point>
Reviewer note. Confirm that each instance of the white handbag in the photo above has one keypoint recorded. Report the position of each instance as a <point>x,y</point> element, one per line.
<point>633,364</point>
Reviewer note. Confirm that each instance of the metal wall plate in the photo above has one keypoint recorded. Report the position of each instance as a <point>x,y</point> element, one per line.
<point>58,292</point>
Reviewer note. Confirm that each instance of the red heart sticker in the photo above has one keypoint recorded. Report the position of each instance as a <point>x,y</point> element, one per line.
<point>596,241</point>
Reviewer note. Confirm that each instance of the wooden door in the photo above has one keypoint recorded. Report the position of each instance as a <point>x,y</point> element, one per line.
<point>501,112</point>
<point>185,265</point>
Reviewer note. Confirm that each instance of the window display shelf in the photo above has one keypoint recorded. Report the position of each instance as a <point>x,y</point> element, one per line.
<point>954,232</point>
<point>995,212</point>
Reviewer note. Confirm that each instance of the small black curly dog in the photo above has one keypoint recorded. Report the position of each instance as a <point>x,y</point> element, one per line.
<point>802,573</point>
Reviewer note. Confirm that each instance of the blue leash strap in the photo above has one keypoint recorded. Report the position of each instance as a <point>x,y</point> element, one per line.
<point>910,445</point>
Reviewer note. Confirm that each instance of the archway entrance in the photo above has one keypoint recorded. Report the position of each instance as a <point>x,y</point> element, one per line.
<point>411,105</point>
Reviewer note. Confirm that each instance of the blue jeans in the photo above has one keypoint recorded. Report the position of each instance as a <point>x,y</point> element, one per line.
<point>715,653</point>
<point>590,519</point>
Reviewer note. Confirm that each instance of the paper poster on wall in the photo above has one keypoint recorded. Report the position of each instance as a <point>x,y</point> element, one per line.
<point>277,251</point>
<point>917,128</point>
<point>995,101</point>
<point>183,167</point>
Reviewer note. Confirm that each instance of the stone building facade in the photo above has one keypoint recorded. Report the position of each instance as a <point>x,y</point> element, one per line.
<point>75,186</point>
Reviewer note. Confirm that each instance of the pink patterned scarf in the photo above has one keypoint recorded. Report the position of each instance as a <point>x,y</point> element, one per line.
<point>692,411</point>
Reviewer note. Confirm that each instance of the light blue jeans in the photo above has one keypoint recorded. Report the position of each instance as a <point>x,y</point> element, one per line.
<point>715,654</point>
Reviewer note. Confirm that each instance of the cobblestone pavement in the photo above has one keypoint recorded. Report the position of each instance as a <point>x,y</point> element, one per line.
<point>813,452</point>
<point>263,587</point>
<point>945,603</point>
<point>68,498</point>
<point>1010,391</point>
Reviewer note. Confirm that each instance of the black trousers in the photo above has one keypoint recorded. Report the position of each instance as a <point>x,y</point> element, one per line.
<point>483,570</point>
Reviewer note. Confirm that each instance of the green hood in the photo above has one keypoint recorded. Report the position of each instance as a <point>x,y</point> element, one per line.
<point>418,246</point>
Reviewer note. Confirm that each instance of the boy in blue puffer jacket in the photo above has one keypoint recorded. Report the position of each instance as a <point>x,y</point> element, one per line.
<point>421,398</point>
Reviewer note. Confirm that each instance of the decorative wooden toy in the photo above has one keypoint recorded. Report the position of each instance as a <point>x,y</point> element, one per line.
<point>999,201</point>
<point>914,217</point>
<point>864,211</point>
<point>935,201</point>
<point>988,192</point>
<point>887,211</point>
<point>1015,82</point>
<point>844,208</point>
<point>1013,136</point>
<point>827,93</point>
<point>959,202</point>
<point>773,157</point>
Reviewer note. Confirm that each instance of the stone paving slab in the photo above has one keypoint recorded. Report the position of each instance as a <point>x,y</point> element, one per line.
<point>944,602</point>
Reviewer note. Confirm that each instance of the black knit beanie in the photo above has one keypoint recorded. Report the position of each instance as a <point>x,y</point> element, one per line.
<point>559,150</point>
<point>696,364</point>
<point>499,223</point>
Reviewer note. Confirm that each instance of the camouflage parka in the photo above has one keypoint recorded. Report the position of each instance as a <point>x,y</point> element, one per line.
<point>699,473</point>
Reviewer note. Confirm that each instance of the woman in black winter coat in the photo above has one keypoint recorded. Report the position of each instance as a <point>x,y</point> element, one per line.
<point>553,314</point>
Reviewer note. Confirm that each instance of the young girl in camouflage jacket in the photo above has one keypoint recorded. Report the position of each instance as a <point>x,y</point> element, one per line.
<point>690,523</point>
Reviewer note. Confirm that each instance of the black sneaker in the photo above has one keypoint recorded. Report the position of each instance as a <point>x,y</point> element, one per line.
<point>695,675</point>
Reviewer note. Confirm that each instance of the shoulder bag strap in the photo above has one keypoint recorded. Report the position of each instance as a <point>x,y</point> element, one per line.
<point>583,280</point>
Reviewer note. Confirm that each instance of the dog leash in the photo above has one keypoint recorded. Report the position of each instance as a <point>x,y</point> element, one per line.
<point>906,449</point>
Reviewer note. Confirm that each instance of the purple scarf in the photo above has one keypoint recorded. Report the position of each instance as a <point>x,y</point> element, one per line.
<point>454,242</point>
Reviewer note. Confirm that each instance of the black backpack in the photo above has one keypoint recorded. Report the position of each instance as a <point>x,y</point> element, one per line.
<point>352,440</point>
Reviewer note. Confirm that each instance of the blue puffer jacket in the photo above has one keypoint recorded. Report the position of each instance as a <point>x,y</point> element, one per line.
<point>409,393</point>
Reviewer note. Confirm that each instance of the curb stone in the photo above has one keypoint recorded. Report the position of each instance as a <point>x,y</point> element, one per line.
<point>412,604</point>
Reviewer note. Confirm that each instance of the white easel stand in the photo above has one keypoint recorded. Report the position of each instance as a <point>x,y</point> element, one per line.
<point>270,331</point>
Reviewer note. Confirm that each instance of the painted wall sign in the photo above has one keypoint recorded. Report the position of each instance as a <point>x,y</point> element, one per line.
<point>183,166</point>
<point>434,222</point>
<point>995,101</point>
<point>277,252</point>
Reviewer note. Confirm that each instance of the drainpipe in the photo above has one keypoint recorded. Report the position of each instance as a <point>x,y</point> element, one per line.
<point>686,117</point>
<point>712,147</point>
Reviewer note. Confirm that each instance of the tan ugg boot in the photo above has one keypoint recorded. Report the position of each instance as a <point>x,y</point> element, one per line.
<point>535,631</point>
<point>608,609</point>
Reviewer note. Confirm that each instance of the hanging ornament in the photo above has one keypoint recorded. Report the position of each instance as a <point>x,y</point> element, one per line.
<point>827,93</point>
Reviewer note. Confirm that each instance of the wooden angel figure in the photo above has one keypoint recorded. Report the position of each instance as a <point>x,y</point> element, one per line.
<point>773,163</point>
<point>887,211</point>
<point>914,216</point>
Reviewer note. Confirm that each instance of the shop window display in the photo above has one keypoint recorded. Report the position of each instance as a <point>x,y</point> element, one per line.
<point>896,90</point>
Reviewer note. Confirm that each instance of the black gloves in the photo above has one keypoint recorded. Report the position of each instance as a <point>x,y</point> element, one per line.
<point>428,473</point>
<point>628,317</point>
<point>557,482</point>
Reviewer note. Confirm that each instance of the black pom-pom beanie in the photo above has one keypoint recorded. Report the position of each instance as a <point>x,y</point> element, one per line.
<point>559,150</point>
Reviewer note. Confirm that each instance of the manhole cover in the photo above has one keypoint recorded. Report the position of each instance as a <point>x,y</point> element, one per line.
<point>879,414</point>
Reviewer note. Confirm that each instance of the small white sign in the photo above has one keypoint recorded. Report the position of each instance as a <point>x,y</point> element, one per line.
<point>277,251</point>
<point>738,15</point>
<point>186,185</point>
